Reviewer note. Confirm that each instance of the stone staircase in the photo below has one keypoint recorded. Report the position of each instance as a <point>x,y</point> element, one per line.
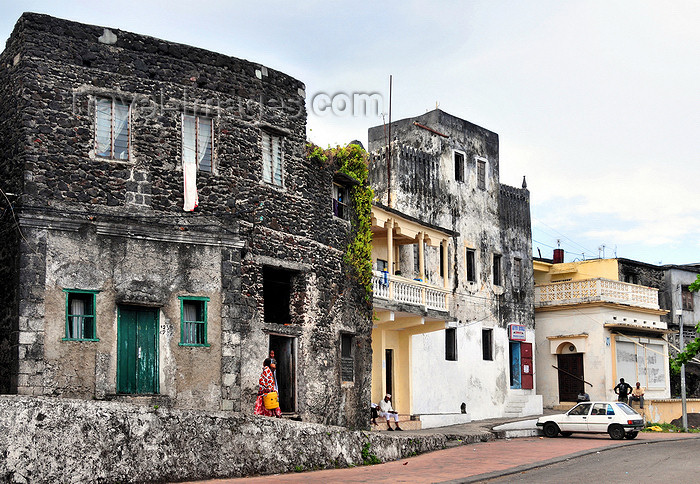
<point>406,422</point>
<point>514,406</point>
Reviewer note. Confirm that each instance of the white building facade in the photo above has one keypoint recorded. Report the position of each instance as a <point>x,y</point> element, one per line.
<point>454,323</point>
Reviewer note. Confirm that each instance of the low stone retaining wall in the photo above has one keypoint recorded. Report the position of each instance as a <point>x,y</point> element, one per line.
<point>61,440</point>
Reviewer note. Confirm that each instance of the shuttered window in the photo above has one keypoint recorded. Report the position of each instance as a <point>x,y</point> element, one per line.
<point>471,265</point>
<point>481,174</point>
<point>347,357</point>
<point>272,158</point>
<point>112,129</point>
<point>197,141</point>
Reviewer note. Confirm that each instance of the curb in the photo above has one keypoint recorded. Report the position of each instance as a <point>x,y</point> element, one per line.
<point>536,465</point>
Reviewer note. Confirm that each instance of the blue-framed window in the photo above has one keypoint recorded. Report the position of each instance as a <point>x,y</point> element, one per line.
<point>193,321</point>
<point>81,324</point>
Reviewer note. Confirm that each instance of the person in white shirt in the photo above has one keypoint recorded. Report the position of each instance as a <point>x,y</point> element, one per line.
<point>386,411</point>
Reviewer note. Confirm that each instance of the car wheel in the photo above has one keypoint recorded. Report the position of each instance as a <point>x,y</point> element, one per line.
<point>631,435</point>
<point>566,434</point>
<point>550,429</point>
<point>616,432</point>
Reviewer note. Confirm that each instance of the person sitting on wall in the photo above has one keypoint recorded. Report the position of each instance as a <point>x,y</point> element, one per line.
<point>583,397</point>
<point>622,389</point>
<point>386,411</point>
<point>637,395</point>
<point>267,385</point>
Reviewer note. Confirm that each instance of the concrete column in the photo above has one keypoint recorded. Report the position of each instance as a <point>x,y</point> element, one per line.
<point>421,257</point>
<point>390,246</point>
<point>445,265</point>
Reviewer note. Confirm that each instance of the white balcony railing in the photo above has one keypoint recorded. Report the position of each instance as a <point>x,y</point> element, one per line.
<point>596,290</point>
<point>399,289</point>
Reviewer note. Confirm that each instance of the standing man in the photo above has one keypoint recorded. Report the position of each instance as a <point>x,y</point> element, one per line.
<point>622,389</point>
<point>637,395</point>
<point>386,411</point>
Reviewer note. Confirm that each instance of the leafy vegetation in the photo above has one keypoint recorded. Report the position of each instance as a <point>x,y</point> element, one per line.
<point>352,161</point>
<point>665,427</point>
<point>369,458</point>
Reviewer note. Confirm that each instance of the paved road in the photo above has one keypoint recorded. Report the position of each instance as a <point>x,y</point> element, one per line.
<point>655,462</point>
<point>466,462</point>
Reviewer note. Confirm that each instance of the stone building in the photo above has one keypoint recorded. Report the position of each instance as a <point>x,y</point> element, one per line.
<point>672,282</point>
<point>161,230</point>
<point>453,290</point>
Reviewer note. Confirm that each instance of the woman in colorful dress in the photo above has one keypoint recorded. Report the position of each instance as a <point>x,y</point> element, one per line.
<point>267,385</point>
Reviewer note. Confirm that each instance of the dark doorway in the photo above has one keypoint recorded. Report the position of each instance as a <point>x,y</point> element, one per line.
<point>389,357</point>
<point>570,367</point>
<point>277,289</point>
<point>285,354</point>
<point>137,350</point>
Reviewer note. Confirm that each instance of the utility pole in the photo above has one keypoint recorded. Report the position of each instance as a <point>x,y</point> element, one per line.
<point>682,346</point>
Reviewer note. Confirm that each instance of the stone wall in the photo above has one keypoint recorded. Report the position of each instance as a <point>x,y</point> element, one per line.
<point>11,182</point>
<point>63,440</point>
<point>118,227</point>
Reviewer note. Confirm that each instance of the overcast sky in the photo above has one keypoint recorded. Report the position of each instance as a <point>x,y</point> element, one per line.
<point>596,102</point>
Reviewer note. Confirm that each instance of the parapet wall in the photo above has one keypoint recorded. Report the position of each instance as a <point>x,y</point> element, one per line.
<point>61,440</point>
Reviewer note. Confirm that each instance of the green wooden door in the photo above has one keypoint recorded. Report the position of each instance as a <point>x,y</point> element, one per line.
<point>137,350</point>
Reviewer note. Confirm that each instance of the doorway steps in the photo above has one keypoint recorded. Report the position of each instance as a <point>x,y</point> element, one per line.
<point>406,422</point>
<point>515,405</point>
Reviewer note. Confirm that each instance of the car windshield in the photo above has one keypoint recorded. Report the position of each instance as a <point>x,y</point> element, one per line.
<point>626,408</point>
<point>580,409</point>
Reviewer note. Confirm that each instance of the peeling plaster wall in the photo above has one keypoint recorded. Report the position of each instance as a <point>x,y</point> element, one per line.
<point>117,226</point>
<point>494,220</point>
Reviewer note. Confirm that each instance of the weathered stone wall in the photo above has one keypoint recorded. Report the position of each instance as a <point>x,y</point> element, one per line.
<point>117,226</point>
<point>11,184</point>
<point>516,241</point>
<point>63,440</point>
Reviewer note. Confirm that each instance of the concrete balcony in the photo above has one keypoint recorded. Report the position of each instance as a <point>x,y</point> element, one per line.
<point>401,290</point>
<point>595,290</point>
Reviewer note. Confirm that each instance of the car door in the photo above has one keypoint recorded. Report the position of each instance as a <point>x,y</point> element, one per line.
<point>602,415</point>
<point>576,419</point>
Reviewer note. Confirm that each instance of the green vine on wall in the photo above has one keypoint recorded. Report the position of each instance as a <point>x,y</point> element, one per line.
<point>352,160</point>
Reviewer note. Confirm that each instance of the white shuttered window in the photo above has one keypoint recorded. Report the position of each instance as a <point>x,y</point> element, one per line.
<point>272,158</point>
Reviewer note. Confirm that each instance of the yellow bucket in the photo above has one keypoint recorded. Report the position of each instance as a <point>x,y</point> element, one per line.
<point>270,401</point>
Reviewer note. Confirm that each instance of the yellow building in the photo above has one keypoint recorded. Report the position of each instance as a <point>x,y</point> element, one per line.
<point>403,307</point>
<point>592,329</point>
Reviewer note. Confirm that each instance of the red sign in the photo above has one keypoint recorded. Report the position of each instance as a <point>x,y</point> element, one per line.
<point>516,332</point>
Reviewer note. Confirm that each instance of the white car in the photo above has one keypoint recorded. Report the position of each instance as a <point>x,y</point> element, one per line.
<point>618,419</point>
